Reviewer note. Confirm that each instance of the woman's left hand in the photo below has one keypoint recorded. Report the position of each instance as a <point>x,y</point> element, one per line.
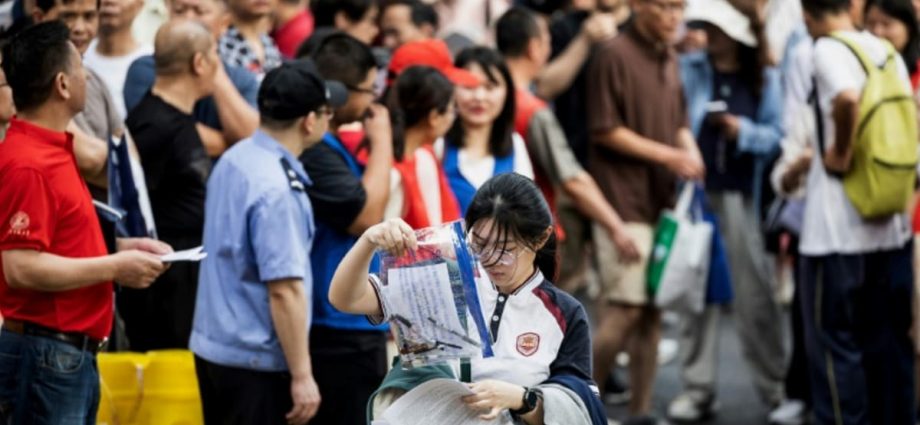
<point>494,396</point>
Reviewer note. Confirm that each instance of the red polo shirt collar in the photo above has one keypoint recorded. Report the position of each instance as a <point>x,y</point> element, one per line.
<point>61,139</point>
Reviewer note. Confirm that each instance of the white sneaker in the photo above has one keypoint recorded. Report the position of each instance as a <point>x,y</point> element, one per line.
<point>685,409</point>
<point>667,350</point>
<point>789,412</point>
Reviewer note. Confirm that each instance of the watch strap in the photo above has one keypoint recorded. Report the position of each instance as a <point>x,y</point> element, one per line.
<point>528,402</point>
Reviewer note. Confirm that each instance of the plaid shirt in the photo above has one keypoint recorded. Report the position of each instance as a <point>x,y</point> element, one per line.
<point>235,50</point>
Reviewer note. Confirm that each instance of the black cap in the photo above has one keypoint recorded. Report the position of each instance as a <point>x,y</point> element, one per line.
<point>295,89</point>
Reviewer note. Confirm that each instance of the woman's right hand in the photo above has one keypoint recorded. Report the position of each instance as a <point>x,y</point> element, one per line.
<point>393,236</point>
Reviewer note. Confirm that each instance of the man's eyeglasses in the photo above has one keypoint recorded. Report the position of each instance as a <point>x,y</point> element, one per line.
<point>371,91</point>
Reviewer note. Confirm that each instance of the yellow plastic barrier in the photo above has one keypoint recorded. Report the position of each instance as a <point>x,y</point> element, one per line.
<point>157,388</point>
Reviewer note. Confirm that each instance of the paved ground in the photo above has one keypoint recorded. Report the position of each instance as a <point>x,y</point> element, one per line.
<point>739,402</point>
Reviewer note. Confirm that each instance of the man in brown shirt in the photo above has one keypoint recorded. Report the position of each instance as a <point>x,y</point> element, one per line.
<point>640,144</point>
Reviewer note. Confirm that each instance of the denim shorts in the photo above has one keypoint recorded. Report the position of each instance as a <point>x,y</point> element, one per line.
<point>43,381</point>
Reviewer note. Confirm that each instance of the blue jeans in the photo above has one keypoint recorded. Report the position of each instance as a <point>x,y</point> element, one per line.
<point>43,381</point>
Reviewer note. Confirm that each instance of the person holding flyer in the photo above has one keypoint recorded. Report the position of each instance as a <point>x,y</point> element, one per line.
<point>539,334</point>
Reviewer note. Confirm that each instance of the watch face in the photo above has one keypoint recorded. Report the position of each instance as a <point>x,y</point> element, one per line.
<point>531,398</point>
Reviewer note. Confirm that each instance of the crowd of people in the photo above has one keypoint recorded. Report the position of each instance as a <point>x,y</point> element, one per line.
<point>293,139</point>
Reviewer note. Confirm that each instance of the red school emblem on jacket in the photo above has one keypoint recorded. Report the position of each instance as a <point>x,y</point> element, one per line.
<point>528,343</point>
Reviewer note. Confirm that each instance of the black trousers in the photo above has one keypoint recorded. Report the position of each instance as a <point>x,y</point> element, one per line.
<point>348,367</point>
<point>857,313</point>
<point>160,317</point>
<point>797,381</point>
<point>231,396</point>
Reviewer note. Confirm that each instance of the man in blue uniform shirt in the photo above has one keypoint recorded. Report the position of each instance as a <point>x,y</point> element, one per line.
<point>251,322</point>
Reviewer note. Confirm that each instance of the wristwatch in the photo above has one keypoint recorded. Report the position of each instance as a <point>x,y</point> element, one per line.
<point>529,402</point>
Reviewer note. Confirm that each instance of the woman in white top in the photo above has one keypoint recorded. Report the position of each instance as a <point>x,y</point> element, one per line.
<point>482,142</point>
<point>541,368</point>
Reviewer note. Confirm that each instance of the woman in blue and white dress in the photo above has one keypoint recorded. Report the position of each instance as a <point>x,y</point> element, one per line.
<point>482,142</point>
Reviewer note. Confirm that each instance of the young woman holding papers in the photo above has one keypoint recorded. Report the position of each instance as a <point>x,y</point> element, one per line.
<point>541,371</point>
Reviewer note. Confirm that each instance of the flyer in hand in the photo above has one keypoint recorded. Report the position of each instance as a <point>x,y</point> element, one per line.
<point>431,299</point>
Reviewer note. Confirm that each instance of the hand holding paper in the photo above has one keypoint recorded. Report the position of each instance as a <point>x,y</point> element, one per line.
<point>193,254</point>
<point>437,401</point>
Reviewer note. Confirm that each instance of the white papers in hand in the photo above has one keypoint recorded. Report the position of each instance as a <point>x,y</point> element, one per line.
<point>439,401</point>
<point>193,254</point>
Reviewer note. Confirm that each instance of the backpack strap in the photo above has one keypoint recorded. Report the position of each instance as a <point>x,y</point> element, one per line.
<point>857,51</point>
<point>864,60</point>
<point>819,119</point>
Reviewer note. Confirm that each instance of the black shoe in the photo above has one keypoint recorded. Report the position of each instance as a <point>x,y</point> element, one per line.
<point>615,391</point>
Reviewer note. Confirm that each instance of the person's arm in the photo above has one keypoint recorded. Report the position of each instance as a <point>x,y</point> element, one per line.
<point>497,396</point>
<point>91,154</point>
<point>591,202</point>
<point>41,271</point>
<point>573,358</point>
<point>791,178</point>
<point>762,135</point>
<point>559,74</point>
<point>687,143</point>
<point>288,305</point>
<point>28,219</point>
<point>552,153</point>
<point>214,142</point>
<point>237,116</point>
<point>790,170</point>
<point>351,290</point>
<point>376,178</point>
<point>628,142</point>
<point>845,114</point>
<point>837,72</point>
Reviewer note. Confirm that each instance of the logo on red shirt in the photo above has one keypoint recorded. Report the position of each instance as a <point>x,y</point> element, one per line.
<point>19,224</point>
<point>528,344</point>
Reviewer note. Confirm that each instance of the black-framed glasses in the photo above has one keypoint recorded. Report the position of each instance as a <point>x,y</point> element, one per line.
<point>371,91</point>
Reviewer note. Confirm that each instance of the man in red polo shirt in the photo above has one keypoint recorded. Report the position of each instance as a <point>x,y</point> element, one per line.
<point>56,280</point>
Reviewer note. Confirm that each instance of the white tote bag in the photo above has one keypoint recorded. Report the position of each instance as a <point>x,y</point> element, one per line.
<point>683,282</point>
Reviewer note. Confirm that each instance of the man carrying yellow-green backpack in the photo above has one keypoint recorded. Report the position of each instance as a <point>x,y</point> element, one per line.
<point>856,252</point>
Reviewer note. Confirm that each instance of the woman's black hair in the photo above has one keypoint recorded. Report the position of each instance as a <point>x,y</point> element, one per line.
<point>500,138</point>
<point>416,92</point>
<point>903,10</point>
<point>519,213</point>
<point>755,60</point>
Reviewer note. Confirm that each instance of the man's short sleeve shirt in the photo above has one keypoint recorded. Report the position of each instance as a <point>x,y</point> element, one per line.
<point>46,207</point>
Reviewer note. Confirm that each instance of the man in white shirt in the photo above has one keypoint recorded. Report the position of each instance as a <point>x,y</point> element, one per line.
<point>857,275</point>
<point>115,49</point>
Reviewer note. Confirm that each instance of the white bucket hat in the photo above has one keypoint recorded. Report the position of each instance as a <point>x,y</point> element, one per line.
<point>723,15</point>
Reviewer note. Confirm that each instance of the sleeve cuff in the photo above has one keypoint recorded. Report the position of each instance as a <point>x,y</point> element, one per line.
<point>32,245</point>
<point>378,320</point>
